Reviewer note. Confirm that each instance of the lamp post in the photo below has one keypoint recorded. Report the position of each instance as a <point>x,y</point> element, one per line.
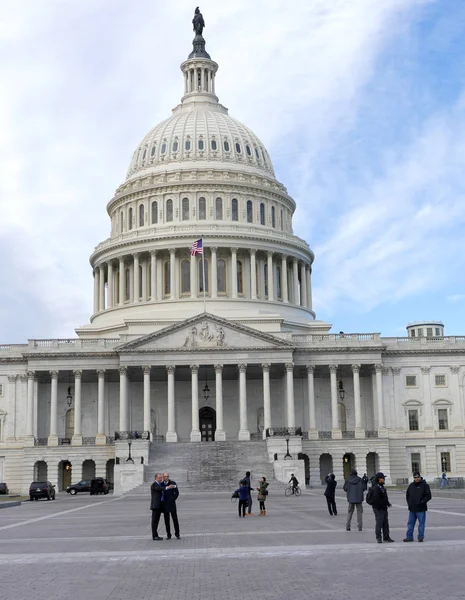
<point>288,455</point>
<point>129,458</point>
<point>342,392</point>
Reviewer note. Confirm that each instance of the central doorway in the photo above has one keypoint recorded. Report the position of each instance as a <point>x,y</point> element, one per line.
<point>207,422</point>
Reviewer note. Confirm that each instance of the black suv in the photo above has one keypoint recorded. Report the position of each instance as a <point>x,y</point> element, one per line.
<point>4,489</point>
<point>99,486</point>
<point>82,486</point>
<point>41,489</point>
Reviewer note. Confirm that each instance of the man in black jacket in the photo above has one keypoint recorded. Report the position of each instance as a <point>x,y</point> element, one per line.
<point>354,488</point>
<point>378,498</point>
<point>171,493</point>
<point>157,504</point>
<point>418,495</point>
<point>330,493</point>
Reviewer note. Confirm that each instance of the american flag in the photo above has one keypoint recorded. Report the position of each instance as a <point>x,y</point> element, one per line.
<point>197,247</point>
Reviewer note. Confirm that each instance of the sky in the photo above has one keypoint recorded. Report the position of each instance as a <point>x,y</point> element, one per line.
<point>361,105</point>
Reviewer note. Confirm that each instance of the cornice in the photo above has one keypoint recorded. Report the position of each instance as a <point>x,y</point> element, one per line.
<point>40,355</point>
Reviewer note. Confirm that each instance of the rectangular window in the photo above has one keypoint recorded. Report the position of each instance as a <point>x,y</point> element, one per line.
<point>413,420</point>
<point>420,332</point>
<point>429,332</point>
<point>415,461</point>
<point>445,462</point>
<point>440,380</point>
<point>443,419</point>
<point>412,333</point>
<point>438,332</point>
<point>410,381</point>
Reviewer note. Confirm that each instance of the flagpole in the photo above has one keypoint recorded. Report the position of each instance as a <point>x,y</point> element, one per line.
<point>204,284</point>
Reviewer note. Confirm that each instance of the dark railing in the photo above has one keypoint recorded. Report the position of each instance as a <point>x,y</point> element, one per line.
<point>40,441</point>
<point>110,440</point>
<point>283,431</point>
<point>348,435</point>
<point>132,435</point>
<point>325,435</point>
<point>88,441</point>
<point>371,433</point>
<point>305,435</point>
<point>64,441</point>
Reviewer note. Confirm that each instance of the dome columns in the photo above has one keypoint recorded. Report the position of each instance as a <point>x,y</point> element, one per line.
<point>199,80</point>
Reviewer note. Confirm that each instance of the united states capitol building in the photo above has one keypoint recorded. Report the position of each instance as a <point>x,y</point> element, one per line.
<point>224,346</point>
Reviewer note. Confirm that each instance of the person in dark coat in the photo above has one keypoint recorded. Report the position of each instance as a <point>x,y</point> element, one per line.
<point>354,488</point>
<point>247,479</point>
<point>157,504</point>
<point>330,493</point>
<point>418,495</point>
<point>378,498</point>
<point>171,494</point>
<point>244,493</point>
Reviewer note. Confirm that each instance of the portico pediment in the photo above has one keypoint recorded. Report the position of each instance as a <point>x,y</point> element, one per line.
<point>204,332</point>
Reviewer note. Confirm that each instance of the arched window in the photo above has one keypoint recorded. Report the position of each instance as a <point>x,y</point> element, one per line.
<point>200,271</point>
<point>154,149</point>
<point>169,210</point>
<point>262,213</point>
<point>121,221</point>
<point>214,145</point>
<point>221,276</point>
<point>187,145</point>
<point>234,210</point>
<point>145,153</point>
<point>219,209</point>
<point>201,144</point>
<point>127,284</point>
<point>240,279</point>
<point>163,147</point>
<point>185,276</point>
<point>154,212</point>
<point>278,281</point>
<point>202,209</point>
<point>226,146</point>
<point>185,209</point>
<point>175,146</point>
<point>249,211</point>
<point>265,279</point>
<point>238,148</point>
<point>256,153</point>
<point>273,217</point>
<point>166,277</point>
<point>130,218</point>
<point>248,150</point>
<point>141,215</point>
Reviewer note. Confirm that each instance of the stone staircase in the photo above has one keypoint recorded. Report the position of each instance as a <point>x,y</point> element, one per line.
<point>212,465</point>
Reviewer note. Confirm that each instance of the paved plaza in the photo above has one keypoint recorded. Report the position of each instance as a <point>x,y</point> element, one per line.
<point>101,548</point>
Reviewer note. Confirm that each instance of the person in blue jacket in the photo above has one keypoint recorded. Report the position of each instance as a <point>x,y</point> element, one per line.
<point>243,492</point>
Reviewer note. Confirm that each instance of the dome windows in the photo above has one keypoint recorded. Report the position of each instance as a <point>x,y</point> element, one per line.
<point>249,211</point>
<point>214,145</point>
<point>185,209</point>
<point>187,145</point>
<point>175,147</point>
<point>256,153</point>
<point>202,209</point>
<point>154,149</point>
<point>130,219</point>
<point>248,150</point>
<point>219,209</point>
<point>234,209</point>
<point>238,148</point>
<point>154,212</point>
<point>226,146</point>
<point>262,213</point>
<point>141,215</point>
<point>145,153</point>
<point>169,210</point>
<point>201,144</point>
<point>273,217</point>
<point>163,147</point>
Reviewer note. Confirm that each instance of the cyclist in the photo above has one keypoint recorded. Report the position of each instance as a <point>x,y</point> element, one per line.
<point>294,481</point>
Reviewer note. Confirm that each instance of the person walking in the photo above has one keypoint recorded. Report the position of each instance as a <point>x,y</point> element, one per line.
<point>247,479</point>
<point>378,498</point>
<point>444,481</point>
<point>171,494</point>
<point>354,488</point>
<point>418,495</point>
<point>330,493</point>
<point>157,504</point>
<point>262,494</point>
<point>244,493</point>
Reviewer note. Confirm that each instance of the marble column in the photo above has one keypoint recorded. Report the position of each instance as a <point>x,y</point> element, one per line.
<point>123,399</point>
<point>121,282</point>
<point>270,276</point>
<point>312,431</point>
<point>290,394</point>
<point>144,280</point>
<point>171,435</point>
<point>233,272</point>
<point>101,287</point>
<point>160,290</point>
<point>172,274</point>
<point>309,288</point>
<point>131,282</point>
<point>194,279</point>
<point>266,398</point>
<point>295,277</point>
<point>153,275</point>
<point>220,434</point>
<point>359,431</point>
<point>77,436</point>
<point>334,403</point>
<point>379,395</point>
<point>196,436</point>
<point>53,437</point>
<point>303,285</point>
<point>110,290</point>
<point>214,270</point>
<point>30,404</point>
<point>253,273</point>
<point>101,438</point>
<point>147,415</point>
<point>244,433</point>
<point>96,290</point>
<point>284,291</point>
<point>136,277</point>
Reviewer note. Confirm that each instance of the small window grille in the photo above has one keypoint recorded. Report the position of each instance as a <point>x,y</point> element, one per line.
<point>440,380</point>
<point>411,381</point>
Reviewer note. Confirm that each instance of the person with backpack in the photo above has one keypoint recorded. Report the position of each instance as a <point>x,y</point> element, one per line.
<point>330,493</point>
<point>354,488</point>
<point>262,495</point>
<point>244,493</point>
<point>418,495</point>
<point>377,497</point>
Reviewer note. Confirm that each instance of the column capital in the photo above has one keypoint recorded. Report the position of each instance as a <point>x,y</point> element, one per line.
<point>53,374</point>
<point>356,368</point>
<point>242,368</point>
<point>270,253</point>
<point>101,372</point>
<point>213,249</point>
<point>102,267</point>
<point>333,368</point>
<point>310,369</point>
<point>146,369</point>
<point>153,253</point>
<point>253,251</point>
<point>24,377</point>
<point>31,374</point>
<point>289,366</point>
<point>396,370</point>
<point>12,378</point>
<point>135,254</point>
<point>266,367</point>
<point>123,370</point>
<point>378,368</point>
<point>234,250</point>
<point>121,260</point>
<point>425,370</point>
<point>218,368</point>
<point>77,374</point>
<point>170,369</point>
<point>283,256</point>
<point>193,368</point>
<point>454,369</point>
<point>172,251</point>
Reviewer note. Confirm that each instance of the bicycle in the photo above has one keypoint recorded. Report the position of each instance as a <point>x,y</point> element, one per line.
<point>288,491</point>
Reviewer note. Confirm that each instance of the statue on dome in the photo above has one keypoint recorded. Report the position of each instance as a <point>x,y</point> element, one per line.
<point>198,22</point>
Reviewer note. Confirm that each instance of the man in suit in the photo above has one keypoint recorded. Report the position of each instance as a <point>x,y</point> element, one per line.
<point>171,493</point>
<point>157,504</point>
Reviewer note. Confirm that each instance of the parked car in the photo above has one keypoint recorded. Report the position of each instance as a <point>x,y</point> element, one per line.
<point>82,486</point>
<point>41,489</point>
<point>99,486</point>
<point>4,489</point>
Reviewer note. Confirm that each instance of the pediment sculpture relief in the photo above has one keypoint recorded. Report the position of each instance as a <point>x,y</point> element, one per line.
<point>205,336</point>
